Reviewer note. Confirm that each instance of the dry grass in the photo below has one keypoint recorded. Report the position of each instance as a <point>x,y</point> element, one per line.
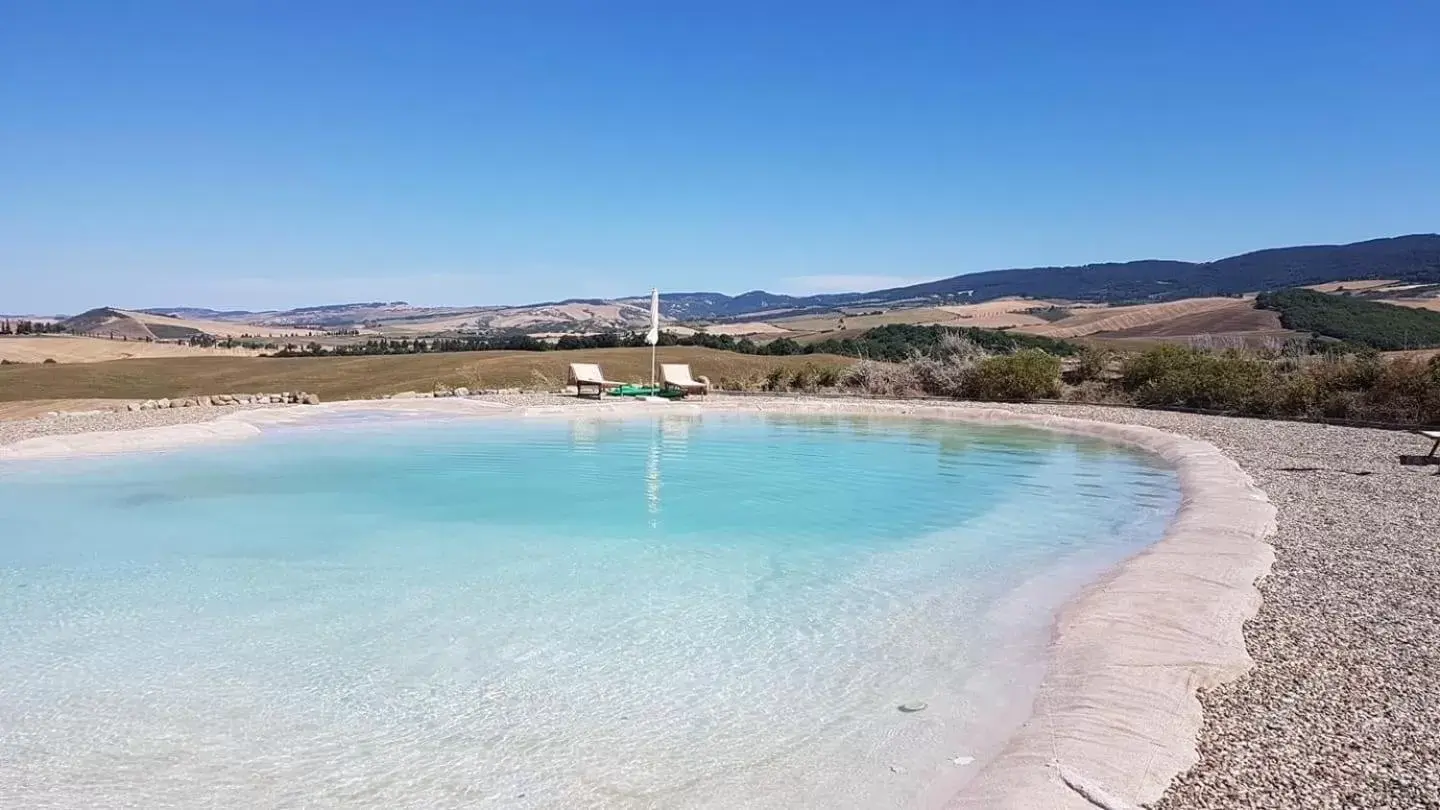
<point>1243,318</point>
<point>1117,319</point>
<point>1357,285</point>
<point>859,323</point>
<point>74,349</point>
<point>1413,354</point>
<point>359,377</point>
<point>1432,304</point>
<point>749,328</point>
<point>219,328</point>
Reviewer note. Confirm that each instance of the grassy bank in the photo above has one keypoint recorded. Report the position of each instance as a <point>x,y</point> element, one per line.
<point>360,377</point>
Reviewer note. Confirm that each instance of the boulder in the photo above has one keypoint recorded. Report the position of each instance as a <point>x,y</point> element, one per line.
<point>133,406</point>
<point>443,392</point>
<point>148,405</point>
<point>162,403</point>
<point>204,402</point>
<point>462,392</point>
<point>310,399</point>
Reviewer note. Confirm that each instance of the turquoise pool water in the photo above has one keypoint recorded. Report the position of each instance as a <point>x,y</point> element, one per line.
<point>689,611</point>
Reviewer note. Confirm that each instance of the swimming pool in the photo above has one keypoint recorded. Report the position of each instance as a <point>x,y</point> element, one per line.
<point>695,610</point>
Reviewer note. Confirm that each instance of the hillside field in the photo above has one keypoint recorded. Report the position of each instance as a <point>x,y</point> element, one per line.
<point>78,349</point>
<point>364,377</point>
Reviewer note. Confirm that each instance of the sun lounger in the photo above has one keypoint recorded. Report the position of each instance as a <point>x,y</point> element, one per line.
<point>677,376</point>
<point>583,374</point>
<point>1433,457</point>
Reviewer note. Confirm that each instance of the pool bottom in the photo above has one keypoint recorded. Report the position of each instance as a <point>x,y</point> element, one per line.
<point>690,667</point>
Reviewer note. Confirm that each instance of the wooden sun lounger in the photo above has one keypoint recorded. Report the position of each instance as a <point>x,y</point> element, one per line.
<point>583,374</point>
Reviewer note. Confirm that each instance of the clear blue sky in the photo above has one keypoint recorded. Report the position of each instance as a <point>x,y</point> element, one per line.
<point>248,154</point>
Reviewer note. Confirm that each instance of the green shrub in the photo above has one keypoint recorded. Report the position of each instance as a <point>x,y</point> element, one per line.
<point>1030,374</point>
<point>1139,371</point>
<point>1407,391</point>
<point>1177,376</point>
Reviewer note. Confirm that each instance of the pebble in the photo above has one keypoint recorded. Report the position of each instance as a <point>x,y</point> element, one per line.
<point>1341,709</point>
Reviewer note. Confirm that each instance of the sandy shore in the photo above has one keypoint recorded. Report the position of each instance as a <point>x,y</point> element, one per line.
<point>1339,710</point>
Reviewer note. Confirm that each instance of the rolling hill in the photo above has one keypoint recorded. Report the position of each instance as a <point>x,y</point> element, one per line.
<point>1411,259</point>
<point>109,322</point>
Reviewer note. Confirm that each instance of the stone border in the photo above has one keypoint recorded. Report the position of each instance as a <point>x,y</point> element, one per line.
<point>1116,716</point>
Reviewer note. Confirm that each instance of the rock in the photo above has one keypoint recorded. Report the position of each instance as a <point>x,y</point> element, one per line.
<point>462,392</point>
<point>310,399</point>
<point>162,403</point>
<point>443,392</point>
<point>204,402</point>
<point>912,707</point>
<point>133,406</point>
<point>149,405</point>
<point>262,400</point>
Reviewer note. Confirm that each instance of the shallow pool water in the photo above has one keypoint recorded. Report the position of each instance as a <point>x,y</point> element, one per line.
<point>711,610</point>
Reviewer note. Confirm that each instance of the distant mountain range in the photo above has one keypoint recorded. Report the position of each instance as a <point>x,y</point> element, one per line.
<point>1414,258</point>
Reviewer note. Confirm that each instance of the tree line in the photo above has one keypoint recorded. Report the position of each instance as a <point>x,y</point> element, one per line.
<point>1371,324</point>
<point>892,342</point>
<point>28,327</point>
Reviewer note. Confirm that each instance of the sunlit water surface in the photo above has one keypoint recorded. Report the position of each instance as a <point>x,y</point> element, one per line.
<point>721,611</point>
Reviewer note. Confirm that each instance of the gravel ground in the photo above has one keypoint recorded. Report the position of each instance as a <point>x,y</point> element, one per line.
<point>1343,707</point>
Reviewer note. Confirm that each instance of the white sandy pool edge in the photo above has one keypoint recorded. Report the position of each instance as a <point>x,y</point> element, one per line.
<point>1117,708</point>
